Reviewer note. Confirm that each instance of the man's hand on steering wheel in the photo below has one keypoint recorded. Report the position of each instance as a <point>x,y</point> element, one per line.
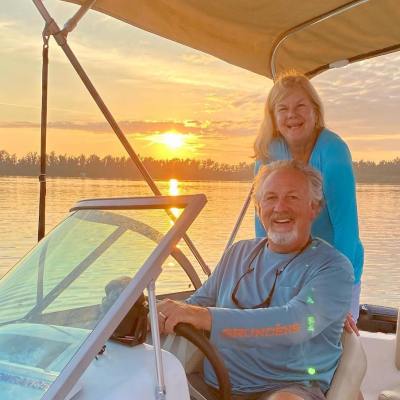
<point>171,313</point>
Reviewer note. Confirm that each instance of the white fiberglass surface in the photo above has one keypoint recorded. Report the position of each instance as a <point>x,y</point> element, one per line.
<point>55,296</point>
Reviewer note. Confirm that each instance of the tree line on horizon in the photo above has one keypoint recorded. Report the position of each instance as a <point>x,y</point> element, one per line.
<point>110,167</point>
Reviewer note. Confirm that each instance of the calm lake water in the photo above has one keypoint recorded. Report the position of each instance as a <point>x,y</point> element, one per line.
<point>378,211</point>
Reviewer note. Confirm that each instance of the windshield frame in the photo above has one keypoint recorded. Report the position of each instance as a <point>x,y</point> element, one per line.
<point>151,269</point>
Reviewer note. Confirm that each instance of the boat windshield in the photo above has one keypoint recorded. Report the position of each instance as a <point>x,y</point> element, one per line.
<point>54,298</point>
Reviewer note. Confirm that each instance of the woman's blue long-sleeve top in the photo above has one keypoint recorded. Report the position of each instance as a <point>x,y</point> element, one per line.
<point>297,338</point>
<point>338,221</point>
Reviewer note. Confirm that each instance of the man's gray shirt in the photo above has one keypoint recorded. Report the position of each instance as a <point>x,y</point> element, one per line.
<point>297,338</point>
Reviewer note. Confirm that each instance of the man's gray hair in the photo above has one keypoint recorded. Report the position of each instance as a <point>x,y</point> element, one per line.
<point>314,179</point>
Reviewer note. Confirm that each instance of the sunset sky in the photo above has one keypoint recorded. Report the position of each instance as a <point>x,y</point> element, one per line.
<point>171,101</point>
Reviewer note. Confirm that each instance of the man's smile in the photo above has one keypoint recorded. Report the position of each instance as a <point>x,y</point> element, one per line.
<point>284,222</point>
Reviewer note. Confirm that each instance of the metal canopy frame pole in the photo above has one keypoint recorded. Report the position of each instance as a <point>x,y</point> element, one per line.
<point>43,137</point>
<point>61,40</point>
<point>282,38</point>
<point>71,24</point>
<point>240,219</point>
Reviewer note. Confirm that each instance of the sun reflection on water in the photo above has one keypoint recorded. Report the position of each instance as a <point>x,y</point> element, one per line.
<point>174,191</point>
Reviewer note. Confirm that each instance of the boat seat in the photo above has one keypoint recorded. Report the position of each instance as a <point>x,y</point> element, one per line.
<point>394,393</point>
<point>350,371</point>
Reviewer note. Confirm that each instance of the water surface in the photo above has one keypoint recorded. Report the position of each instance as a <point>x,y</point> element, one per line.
<point>378,214</point>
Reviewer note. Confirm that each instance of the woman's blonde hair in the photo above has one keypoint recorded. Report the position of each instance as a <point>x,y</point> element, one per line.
<point>286,82</point>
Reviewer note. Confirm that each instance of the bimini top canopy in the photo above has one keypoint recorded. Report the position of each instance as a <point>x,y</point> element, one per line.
<point>268,36</point>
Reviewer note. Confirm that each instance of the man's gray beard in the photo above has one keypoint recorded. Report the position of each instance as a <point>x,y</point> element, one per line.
<point>282,238</point>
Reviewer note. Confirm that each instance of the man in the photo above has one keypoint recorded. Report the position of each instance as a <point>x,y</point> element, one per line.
<point>275,307</point>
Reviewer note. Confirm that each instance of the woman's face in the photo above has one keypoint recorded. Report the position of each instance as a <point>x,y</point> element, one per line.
<point>295,117</point>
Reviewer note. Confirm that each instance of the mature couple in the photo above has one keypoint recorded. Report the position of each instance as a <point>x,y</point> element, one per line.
<point>275,306</point>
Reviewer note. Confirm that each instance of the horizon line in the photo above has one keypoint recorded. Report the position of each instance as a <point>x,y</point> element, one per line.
<point>167,159</point>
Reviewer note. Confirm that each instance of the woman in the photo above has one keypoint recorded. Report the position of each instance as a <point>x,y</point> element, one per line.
<point>294,128</point>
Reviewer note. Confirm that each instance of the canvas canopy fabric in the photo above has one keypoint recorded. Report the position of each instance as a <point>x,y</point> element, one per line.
<point>244,32</point>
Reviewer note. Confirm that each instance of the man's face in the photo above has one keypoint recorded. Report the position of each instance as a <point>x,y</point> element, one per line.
<point>286,210</point>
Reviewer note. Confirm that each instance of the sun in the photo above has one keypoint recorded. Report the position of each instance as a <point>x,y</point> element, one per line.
<point>172,139</point>
<point>170,144</point>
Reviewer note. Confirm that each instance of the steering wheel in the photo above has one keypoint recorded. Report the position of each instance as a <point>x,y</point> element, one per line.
<point>196,337</point>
